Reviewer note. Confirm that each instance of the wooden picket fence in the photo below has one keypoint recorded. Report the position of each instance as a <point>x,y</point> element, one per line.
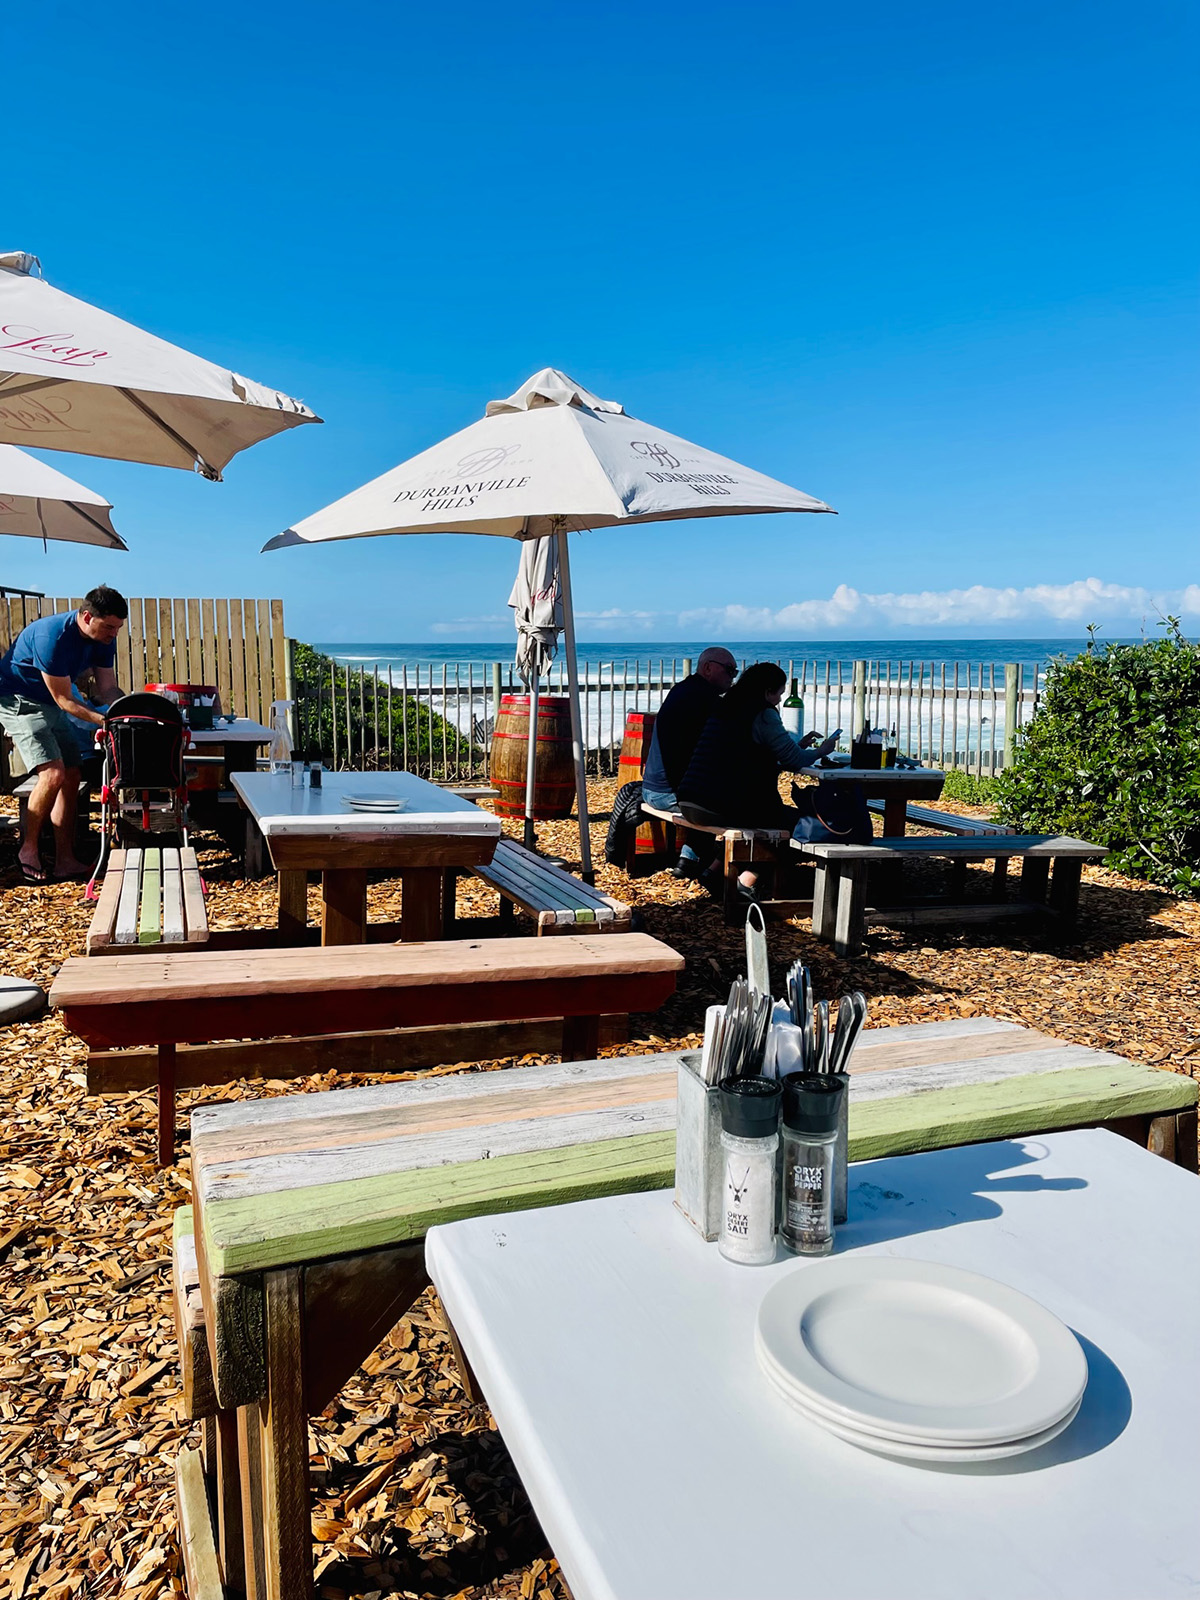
<point>238,645</point>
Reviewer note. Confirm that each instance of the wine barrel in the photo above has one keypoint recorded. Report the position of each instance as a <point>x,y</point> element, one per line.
<point>554,769</point>
<point>653,838</point>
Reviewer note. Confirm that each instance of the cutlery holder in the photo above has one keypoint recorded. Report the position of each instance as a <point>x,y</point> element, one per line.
<point>698,1162</point>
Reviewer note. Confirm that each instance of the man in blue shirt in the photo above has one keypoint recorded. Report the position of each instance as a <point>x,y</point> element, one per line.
<point>36,708</point>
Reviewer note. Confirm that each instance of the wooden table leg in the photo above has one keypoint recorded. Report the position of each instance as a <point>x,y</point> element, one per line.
<point>1000,878</point>
<point>895,816</point>
<point>1064,887</point>
<point>581,1038</point>
<point>230,1548</point>
<point>1035,876</point>
<point>421,903</point>
<point>286,1513</point>
<point>293,904</point>
<point>449,902</point>
<point>824,912</point>
<point>249,1446</point>
<point>344,905</point>
<point>166,1104</point>
<point>851,909</point>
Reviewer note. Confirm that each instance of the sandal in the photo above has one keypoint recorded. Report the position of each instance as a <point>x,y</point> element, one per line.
<point>36,876</point>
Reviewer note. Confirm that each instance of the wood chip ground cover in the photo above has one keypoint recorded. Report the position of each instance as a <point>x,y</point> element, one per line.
<point>414,1493</point>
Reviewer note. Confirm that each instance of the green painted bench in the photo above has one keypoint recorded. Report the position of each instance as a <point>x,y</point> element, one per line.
<point>944,821</point>
<point>312,1210</point>
<point>148,897</point>
<point>559,901</point>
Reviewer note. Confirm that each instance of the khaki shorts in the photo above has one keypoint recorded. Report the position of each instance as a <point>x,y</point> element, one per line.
<point>41,733</point>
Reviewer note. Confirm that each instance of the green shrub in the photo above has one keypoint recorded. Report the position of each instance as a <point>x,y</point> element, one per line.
<point>969,790</point>
<point>1113,755</point>
<point>417,737</point>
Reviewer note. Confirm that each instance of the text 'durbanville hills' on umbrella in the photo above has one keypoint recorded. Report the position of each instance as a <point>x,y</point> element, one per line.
<point>38,502</point>
<point>73,377</point>
<point>550,458</point>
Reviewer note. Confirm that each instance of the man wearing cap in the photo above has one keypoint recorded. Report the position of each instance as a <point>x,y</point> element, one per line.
<point>36,708</point>
<point>677,730</point>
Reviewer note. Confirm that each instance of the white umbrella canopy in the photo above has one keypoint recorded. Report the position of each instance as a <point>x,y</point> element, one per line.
<point>550,457</point>
<point>73,377</point>
<point>549,454</point>
<point>37,502</point>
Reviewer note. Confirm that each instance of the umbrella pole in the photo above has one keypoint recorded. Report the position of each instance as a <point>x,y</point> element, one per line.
<point>581,802</point>
<point>531,764</point>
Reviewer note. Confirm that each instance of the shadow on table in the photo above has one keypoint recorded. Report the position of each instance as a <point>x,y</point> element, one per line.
<point>1103,1416</point>
<point>898,1196</point>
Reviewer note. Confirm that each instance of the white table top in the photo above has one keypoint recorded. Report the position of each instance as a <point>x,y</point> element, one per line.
<point>616,1351</point>
<point>897,775</point>
<point>242,730</point>
<point>279,809</point>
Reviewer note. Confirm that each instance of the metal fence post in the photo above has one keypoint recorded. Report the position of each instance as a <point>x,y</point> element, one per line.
<point>1012,701</point>
<point>858,682</point>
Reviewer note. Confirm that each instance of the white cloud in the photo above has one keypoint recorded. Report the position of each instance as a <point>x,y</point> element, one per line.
<point>1039,606</point>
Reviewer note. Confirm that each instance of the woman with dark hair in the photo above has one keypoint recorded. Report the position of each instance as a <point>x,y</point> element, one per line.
<point>733,776</point>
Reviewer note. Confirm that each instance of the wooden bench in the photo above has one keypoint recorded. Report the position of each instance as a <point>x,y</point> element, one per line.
<point>762,849</point>
<point>176,998</point>
<point>945,821</point>
<point>559,901</point>
<point>840,911</point>
<point>310,1211</point>
<point>148,897</point>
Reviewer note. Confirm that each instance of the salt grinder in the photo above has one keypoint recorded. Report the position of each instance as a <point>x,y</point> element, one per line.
<point>749,1141</point>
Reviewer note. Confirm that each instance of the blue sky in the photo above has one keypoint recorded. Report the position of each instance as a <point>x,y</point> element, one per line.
<point>934,264</point>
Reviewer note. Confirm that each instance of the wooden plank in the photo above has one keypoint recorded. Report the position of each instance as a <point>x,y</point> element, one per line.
<point>884,1036</point>
<point>389,1050</point>
<point>372,1213</point>
<point>241,1174</point>
<point>104,918</point>
<point>137,678</point>
<point>227,1497</point>
<point>195,915</point>
<point>166,644</point>
<point>237,657</point>
<point>151,671</point>
<point>349,1306</point>
<point>278,641</point>
<point>1035,844</point>
<point>197,1540</point>
<point>149,927</point>
<point>224,678</point>
<point>287,1519</point>
<point>127,904</point>
<point>208,645</point>
<point>293,904</point>
<point>216,975</point>
<point>173,929</point>
<point>199,1395</point>
<point>195,650</point>
<point>254,705</point>
<point>982,1069</point>
<point>344,909</point>
<point>938,1051</point>
<point>954,911</point>
<point>1036,1103</point>
<point>179,639</point>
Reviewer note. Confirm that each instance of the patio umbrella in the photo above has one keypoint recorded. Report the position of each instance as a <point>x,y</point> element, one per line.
<point>75,378</point>
<point>536,600</point>
<point>36,502</point>
<point>551,457</point>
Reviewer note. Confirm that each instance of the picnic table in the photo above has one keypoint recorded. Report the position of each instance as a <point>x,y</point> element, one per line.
<point>616,1351</point>
<point>237,740</point>
<point>309,829</point>
<point>310,1210</point>
<point>895,786</point>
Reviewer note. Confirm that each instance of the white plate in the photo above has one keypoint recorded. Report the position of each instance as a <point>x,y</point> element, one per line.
<point>914,1450</point>
<point>919,1350</point>
<point>373,802</point>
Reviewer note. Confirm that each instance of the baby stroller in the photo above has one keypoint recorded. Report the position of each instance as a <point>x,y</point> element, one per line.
<point>143,789</point>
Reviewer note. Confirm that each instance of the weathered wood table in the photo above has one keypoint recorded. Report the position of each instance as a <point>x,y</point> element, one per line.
<point>661,1463</point>
<point>238,742</point>
<point>310,829</point>
<point>895,786</point>
<point>310,1213</point>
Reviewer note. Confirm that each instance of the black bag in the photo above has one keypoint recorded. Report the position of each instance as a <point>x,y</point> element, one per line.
<point>623,824</point>
<point>841,808</point>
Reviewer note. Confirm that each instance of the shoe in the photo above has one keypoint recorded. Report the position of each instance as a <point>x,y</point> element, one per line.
<point>686,867</point>
<point>748,894</point>
<point>33,875</point>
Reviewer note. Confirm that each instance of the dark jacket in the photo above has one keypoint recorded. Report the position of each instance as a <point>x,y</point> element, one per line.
<point>677,728</point>
<point>623,824</point>
<point>734,776</point>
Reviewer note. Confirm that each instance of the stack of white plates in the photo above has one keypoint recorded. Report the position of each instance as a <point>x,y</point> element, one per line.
<point>373,802</point>
<point>920,1361</point>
